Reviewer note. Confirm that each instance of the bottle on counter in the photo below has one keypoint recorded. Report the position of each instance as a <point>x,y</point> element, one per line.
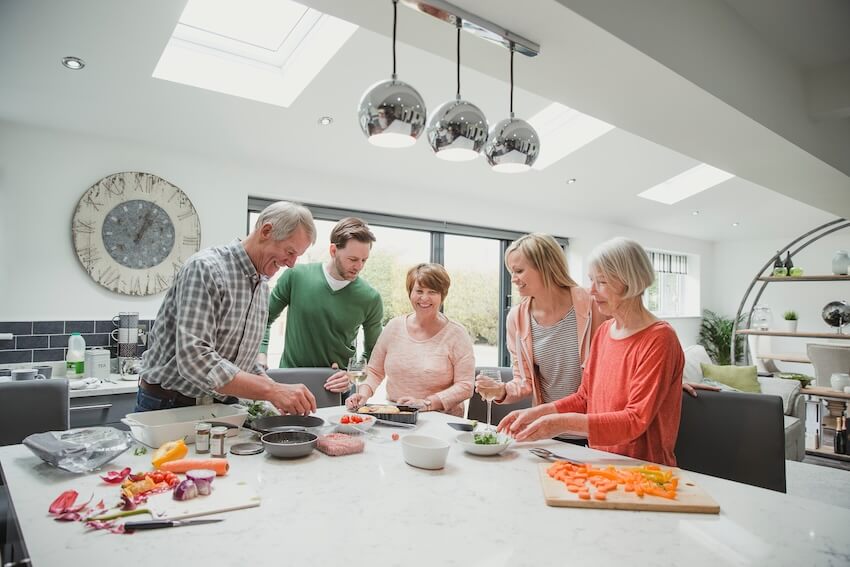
<point>840,446</point>
<point>217,448</point>
<point>788,263</point>
<point>75,365</point>
<point>202,437</point>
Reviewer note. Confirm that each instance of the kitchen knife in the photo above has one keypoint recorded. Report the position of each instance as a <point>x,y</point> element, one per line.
<point>156,524</point>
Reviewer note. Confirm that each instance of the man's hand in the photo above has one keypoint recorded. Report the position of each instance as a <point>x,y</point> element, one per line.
<point>338,382</point>
<point>354,402</point>
<point>293,398</point>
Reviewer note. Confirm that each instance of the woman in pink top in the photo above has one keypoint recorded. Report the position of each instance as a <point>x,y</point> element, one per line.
<point>630,397</point>
<point>426,358</point>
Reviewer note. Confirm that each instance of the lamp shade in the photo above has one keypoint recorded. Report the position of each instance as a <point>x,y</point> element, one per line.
<point>513,146</point>
<point>457,131</point>
<point>392,114</point>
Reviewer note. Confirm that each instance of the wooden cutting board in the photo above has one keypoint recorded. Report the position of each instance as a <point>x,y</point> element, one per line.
<point>226,496</point>
<point>691,498</point>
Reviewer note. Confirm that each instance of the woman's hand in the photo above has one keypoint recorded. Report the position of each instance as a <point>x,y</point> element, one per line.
<point>518,419</point>
<point>544,427</point>
<point>354,401</point>
<point>338,382</point>
<point>482,381</point>
<point>415,403</point>
<point>692,388</point>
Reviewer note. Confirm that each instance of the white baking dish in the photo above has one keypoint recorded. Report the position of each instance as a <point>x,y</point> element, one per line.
<point>155,428</point>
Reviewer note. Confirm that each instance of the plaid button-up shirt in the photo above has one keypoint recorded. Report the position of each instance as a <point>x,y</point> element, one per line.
<point>210,323</point>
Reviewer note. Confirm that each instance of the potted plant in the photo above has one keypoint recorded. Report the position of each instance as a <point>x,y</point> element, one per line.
<point>715,334</point>
<point>790,321</point>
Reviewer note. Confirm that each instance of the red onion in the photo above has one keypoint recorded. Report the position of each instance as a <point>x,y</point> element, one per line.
<point>203,480</point>
<point>186,490</point>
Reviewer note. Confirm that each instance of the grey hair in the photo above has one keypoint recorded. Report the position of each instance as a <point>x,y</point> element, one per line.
<point>626,261</point>
<point>285,218</point>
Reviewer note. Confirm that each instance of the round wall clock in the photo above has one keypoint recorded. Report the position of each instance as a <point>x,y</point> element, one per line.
<point>133,231</point>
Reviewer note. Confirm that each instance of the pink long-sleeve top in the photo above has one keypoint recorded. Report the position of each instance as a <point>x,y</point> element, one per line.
<point>631,392</point>
<point>441,367</point>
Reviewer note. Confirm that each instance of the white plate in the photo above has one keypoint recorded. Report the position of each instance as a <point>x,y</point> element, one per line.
<point>467,441</point>
<point>354,428</point>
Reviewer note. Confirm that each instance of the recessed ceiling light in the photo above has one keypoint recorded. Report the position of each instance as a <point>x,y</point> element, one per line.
<point>73,63</point>
<point>695,213</point>
<point>263,50</point>
<point>735,224</point>
<point>686,184</point>
<point>326,121</point>
<point>571,180</point>
<point>565,131</point>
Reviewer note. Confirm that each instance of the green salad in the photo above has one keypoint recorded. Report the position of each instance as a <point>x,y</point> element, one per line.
<point>486,438</point>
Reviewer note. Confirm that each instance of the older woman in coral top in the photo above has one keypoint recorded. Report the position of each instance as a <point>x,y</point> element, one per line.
<point>630,396</point>
<point>426,358</point>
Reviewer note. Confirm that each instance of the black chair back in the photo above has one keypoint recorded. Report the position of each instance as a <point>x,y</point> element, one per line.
<point>313,378</point>
<point>33,406</point>
<point>736,436</point>
<point>478,408</point>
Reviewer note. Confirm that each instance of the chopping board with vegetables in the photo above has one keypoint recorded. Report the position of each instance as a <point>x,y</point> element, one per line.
<point>639,487</point>
<point>226,495</point>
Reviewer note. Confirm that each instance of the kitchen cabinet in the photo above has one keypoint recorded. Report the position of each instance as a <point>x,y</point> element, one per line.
<point>102,410</point>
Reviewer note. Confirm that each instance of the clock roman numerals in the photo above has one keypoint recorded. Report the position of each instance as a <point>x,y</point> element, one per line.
<point>83,227</point>
<point>161,282</point>
<point>113,187</point>
<point>191,240</point>
<point>89,200</point>
<point>109,277</point>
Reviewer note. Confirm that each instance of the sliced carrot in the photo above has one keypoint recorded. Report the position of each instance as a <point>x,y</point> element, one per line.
<point>220,466</point>
<point>600,495</point>
<point>584,495</point>
<point>573,488</point>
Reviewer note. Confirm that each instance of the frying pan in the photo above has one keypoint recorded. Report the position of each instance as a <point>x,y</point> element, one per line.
<point>287,423</point>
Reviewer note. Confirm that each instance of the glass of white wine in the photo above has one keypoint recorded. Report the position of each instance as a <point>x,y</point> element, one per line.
<point>356,371</point>
<point>488,383</point>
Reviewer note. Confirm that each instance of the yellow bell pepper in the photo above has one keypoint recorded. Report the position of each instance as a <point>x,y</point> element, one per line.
<point>171,451</point>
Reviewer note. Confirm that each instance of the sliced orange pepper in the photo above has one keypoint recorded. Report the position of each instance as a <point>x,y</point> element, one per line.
<point>171,451</point>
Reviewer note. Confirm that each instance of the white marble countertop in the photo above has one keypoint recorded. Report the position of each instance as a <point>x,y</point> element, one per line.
<point>373,509</point>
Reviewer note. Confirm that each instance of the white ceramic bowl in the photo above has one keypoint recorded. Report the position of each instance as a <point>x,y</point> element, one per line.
<point>467,441</point>
<point>424,452</point>
<point>353,428</point>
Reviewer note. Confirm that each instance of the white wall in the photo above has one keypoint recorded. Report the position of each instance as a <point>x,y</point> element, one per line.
<point>738,262</point>
<point>44,172</point>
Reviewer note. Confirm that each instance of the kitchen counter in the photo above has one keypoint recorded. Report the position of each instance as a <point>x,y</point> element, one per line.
<point>113,385</point>
<point>373,509</point>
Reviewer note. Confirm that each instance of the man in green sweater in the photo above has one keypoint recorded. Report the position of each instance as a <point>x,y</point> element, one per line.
<point>327,305</point>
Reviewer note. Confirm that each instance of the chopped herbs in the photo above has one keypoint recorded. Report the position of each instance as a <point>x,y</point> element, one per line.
<point>485,438</point>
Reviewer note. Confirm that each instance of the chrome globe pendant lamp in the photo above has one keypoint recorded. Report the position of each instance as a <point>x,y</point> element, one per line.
<point>457,130</point>
<point>392,113</point>
<point>514,145</point>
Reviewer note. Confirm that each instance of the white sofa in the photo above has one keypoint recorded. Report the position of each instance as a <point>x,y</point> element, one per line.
<point>793,403</point>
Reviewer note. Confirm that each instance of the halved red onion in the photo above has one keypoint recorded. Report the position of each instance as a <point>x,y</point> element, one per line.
<point>203,480</point>
<point>186,490</point>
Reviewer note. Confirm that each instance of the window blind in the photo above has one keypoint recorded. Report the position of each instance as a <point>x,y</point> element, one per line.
<point>667,263</point>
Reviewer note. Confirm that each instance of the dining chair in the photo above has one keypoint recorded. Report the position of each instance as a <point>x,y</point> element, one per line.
<point>313,378</point>
<point>733,435</point>
<point>477,409</point>
<point>27,407</point>
<point>827,360</point>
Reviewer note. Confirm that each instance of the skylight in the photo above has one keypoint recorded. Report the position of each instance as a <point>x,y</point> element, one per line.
<point>686,184</point>
<point>264,50</point>
<point>562,131</point>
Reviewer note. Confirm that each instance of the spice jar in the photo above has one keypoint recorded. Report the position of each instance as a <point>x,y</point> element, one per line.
<point>202,437</point>
<point>217,435</point>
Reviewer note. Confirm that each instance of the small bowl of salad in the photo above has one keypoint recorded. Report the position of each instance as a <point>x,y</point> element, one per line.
<point>484,443</point>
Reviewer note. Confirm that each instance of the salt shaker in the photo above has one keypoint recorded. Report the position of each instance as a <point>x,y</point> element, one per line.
<point>217,435</point>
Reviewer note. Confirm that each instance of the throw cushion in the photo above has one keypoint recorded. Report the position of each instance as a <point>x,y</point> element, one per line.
<point>744,378</point>
<point>788,390</point>
<point>695,355</point>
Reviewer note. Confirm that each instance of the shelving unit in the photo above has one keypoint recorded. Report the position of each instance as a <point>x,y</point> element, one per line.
<point>788,279</point>
<point>789,334</point>
<point>785,357</point>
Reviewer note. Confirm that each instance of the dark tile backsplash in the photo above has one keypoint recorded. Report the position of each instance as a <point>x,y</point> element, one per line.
<point>47,341</point>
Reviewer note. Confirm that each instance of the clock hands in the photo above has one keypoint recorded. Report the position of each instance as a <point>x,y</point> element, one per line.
<point>146,223</point>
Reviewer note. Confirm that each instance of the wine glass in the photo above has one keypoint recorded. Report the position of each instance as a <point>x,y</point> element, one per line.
<point>487,382</point>
<point>356,371</point>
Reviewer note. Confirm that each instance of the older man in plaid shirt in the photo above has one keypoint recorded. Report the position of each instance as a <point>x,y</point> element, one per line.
<point>207,334</point>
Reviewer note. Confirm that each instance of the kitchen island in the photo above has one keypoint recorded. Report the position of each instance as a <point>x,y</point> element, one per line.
<point>373,509</point>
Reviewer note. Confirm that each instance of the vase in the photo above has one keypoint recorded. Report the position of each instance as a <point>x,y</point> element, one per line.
<point>789,326</point>
<point>840,263</point>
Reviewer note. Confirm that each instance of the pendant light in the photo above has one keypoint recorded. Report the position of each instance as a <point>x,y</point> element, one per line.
<point>514,145</point>
<point>458,129</point>
<point>392,114</point>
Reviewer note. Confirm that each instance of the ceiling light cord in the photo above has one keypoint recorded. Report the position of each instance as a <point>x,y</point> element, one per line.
<point>395,25</point>
<point>512,80</point>
<point>458,58</point>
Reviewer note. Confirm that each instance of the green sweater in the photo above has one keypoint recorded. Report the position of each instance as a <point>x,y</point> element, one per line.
<point>322,324</point>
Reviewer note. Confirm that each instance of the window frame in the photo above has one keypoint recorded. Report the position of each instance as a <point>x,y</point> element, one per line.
<point>437,229</point>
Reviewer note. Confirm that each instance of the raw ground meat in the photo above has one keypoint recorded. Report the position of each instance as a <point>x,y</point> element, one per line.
<point>336,444</point>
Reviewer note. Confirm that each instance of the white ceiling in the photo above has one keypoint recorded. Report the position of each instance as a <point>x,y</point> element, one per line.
<point>115,96</point>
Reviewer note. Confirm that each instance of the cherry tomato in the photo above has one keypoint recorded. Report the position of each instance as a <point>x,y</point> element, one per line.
<point>345,419</point>
<point>395,436</point>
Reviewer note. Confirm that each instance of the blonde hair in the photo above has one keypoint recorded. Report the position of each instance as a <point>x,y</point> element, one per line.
<point>547,257</point>
<point>626,261</point>
<point>432,276</point>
